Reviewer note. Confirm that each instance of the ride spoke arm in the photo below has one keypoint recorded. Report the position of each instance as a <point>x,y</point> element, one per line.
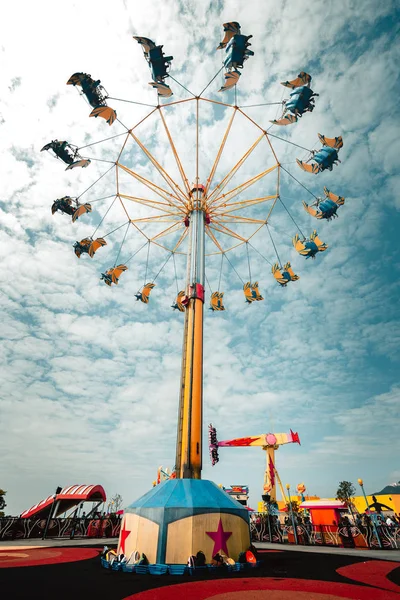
<point>167,231</point>
<point>220,150</point>
<point>179,242</point>
<point>180,195</point>
<point>226,198</point>
<point>152,186</point>
<point>222,229</point>
<point>158,218</point>
<point>225,252</point>
<point>234,219</point>
<point>134,127</point>
<point>154,204</point>
<point>213,238</point>
<point>265,222</point>
<point>213,197</point>
<point>177,159</point>
<point>265,133</point>
<point>240,205</point>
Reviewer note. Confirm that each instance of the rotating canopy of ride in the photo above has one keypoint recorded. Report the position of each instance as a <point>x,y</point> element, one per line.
<point>201,154</point>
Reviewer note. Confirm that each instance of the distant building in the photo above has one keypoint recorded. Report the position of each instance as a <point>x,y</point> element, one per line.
<point>239,493</point>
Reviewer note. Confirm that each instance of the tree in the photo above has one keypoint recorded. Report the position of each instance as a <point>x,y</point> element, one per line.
<point>295,506</point>
<point>116,502</point>
<point>2,502</point>
<point>345,493</point>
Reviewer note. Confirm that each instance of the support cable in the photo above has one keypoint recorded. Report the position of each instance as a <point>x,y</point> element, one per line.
<point>131,102</point>
<point>147,261</point>
<point>136,252</point>
<point>176,277</point>
<point>234,268</point>
<point>248,259</point>
<point>288,142</point>
<point>100,160</point>
<point>208,283</point>
<point>262,256</point>
<point>127,128</point>
<point>277,110</point>
<point>101,141</point>
<point>210,82</point>
<point>170,254</point>
<point>299,182</point>
<point>185,88</point>
<point>220,271</point>
<point>116,229</point>
<point>284,206</point>
<point>264,104</point>
<point>97,180</point>
<point>106,213</point>
<point>103,198</point>
<point>122,243</point>
<point>273,243</point>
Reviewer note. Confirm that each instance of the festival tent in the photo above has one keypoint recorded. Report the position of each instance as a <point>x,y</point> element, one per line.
<point>67,498</point>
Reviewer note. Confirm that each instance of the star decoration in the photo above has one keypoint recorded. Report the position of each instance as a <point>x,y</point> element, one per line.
<point>124,534</point>
<point>220,537</point>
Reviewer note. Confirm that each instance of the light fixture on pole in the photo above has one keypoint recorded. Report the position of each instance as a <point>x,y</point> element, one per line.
<point>361,484</point>
<point>291,514</point>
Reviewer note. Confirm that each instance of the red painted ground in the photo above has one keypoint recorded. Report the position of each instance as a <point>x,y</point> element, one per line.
<point>261,588</point>
<point>44,556</point>
<point>373,572</point>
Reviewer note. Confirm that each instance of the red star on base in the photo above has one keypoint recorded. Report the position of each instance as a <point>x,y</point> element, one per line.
<point>219,537</point>
<point>122,539</point>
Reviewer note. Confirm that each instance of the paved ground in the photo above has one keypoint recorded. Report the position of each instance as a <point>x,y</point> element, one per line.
<point>60,571</point>
<point>392,555</point>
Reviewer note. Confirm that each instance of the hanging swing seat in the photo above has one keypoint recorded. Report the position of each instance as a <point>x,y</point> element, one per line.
<point>81,210</point>
<point>327,208</point>
<point>231,79</point>
<point>251,292</point>
<point>217,301</point>
<point>105,112</point>
<point>178,305</point>
<point>301,79</point>
<point>230,29</point>
<point>88,246</point>
<point>309,248</point>
<point>283,276</point>
<point>113,274</point>
<point>144,295</point>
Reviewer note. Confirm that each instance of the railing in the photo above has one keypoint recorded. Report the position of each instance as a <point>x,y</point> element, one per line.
<point>12,528</point>
<point>268,529</point>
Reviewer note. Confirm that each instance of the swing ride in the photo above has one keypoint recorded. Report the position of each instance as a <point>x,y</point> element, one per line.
<point>147,199</point>
<point>269,442</point>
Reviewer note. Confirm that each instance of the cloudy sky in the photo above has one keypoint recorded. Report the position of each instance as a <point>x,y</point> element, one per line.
<point>89,376</point>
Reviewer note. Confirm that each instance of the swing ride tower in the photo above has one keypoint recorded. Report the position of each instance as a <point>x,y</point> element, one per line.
<point>190,416</point>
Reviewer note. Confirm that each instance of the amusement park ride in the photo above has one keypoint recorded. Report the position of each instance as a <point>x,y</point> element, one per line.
<point>269,442</point>
<point>174,520</point>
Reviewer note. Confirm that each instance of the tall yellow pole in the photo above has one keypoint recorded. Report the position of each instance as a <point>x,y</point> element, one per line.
<point>190,421</point>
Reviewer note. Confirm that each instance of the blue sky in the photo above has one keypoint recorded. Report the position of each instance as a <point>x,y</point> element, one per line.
<point>90,378</point>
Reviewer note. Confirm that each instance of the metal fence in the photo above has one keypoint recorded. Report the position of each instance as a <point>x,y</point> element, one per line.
<point>12,528</point>
<point>269,529</point>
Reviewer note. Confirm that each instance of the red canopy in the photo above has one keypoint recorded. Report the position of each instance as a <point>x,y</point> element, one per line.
<point>68,497</point>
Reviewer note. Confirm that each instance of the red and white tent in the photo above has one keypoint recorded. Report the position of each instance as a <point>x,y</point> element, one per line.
<point>68,498</point>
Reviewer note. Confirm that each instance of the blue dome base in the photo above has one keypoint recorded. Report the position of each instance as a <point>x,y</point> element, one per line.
<point>181,516</point>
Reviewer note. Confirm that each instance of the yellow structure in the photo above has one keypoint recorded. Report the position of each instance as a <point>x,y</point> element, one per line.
<point>282,503</point>
<point>390,501</point>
